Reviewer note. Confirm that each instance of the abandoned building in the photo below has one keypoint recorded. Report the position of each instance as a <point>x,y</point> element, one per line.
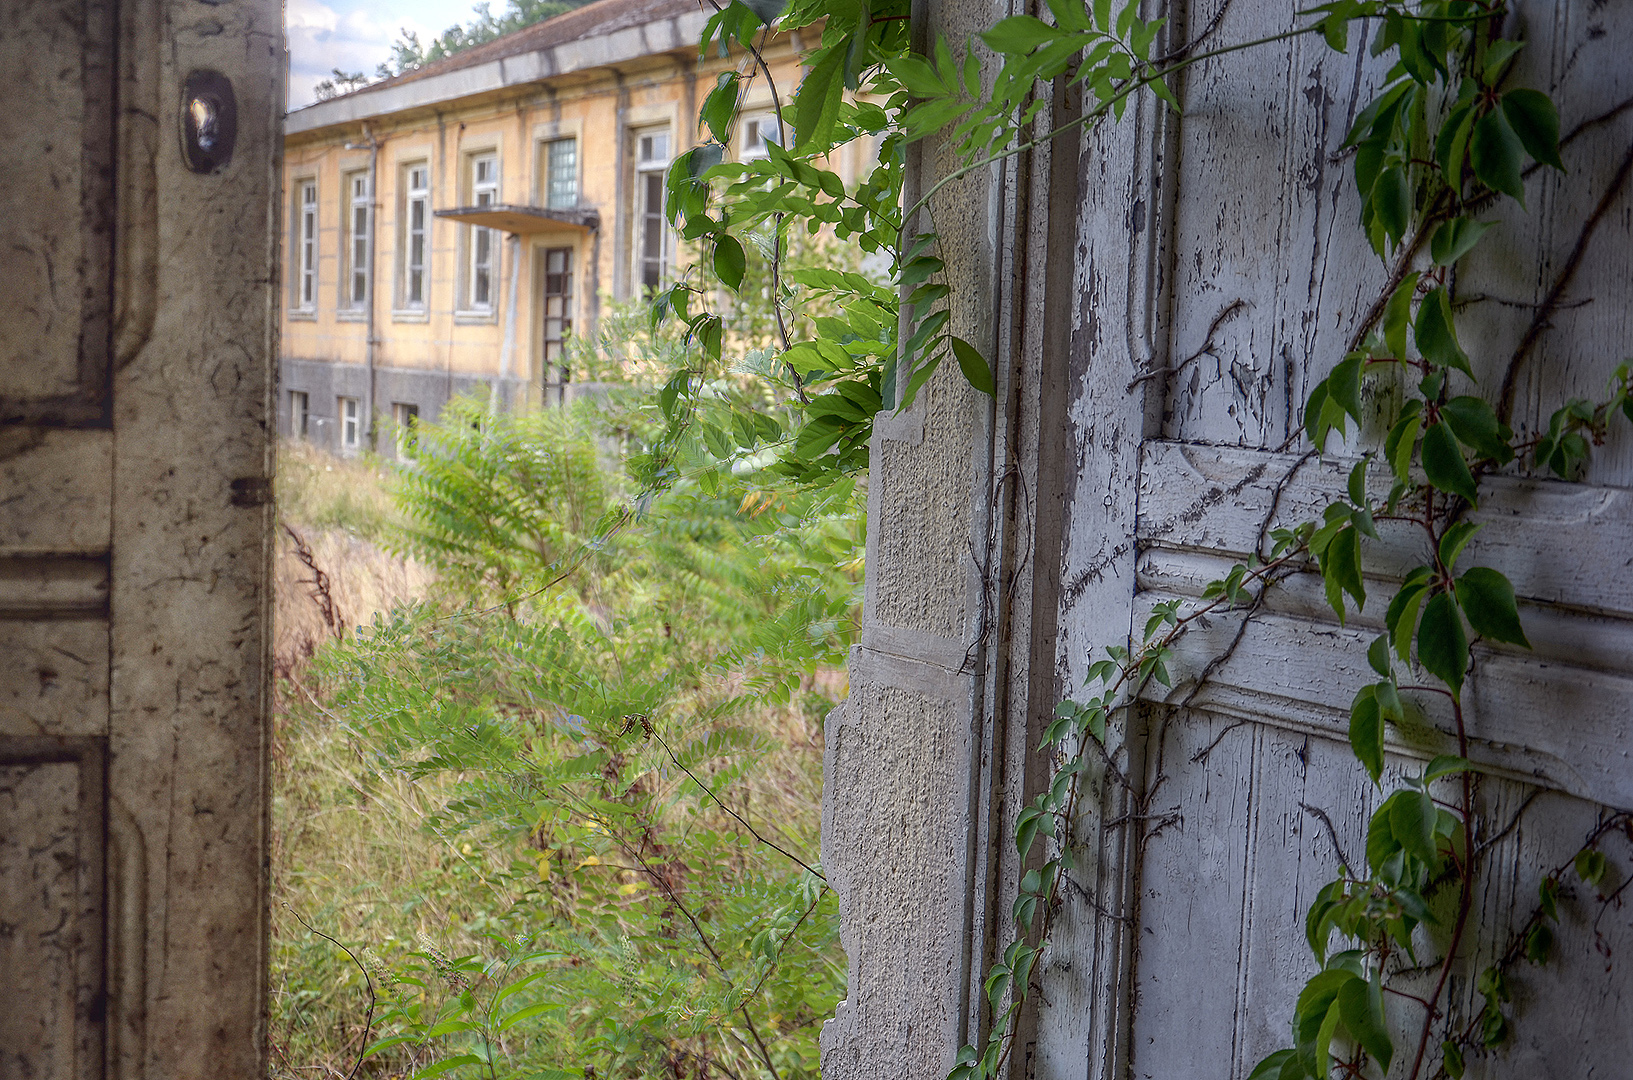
<point>446,230</point>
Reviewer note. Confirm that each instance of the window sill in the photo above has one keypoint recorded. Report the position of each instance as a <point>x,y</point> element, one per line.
<point>301,314</point>
<point>411,315</point>
<point>351,315</point>
<point>476,318</point>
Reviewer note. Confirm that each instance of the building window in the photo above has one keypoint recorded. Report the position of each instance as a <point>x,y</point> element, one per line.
<point>307,238</point>
<point>651,230</point>
<point>357,252</point>
<point>757,131</point>
<point>558,307</point>
<point>561,174</point>
<point>407,418</point>
<point>484,192</point>
<point>299,413</point>
<point>351,423</point>
<point>416,226</point>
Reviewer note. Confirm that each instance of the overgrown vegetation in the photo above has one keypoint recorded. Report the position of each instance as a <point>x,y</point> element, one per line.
<point>564,808</point>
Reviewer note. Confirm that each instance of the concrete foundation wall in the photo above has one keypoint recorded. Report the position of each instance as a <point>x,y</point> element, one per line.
<point>324,383</point>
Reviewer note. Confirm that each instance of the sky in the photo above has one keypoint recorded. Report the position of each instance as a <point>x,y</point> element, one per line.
<point>356,35</point>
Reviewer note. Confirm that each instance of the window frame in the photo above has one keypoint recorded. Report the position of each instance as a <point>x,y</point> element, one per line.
<point>405,417</point>
<point>563,321</point>
<point>357,247</point>
<point>300,415</point>
<point>648,169</point>
<point>547,154</point>
<point>304,253</point>
<point>754,125</point>
<point>475,234</point>
<point>351,426</point>
<point>412,196</point>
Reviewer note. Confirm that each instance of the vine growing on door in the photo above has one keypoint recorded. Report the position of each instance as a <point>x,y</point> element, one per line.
<point>1441,150</point>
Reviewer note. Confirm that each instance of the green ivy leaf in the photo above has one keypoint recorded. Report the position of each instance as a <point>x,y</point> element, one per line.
<point>973,365</point>
<point>1366,731</point>
<point>1314,407</point>
<point>1392,201</point>
<point>1496,153</point>
<point>1379,114</point>
<point>1451,145</point>
<point>1443,464</point>
<point>1454,540</point>
<point>1498,56</point>
<point>1020,34</point>
<point>1456,238</point>
<point>1412,820</point>
<point>1535,120</point>
<point>1358,482</point>
<point>1452,1058</point>
<point>1315,1017</point>
<point>1442,765</point>
<point>1591,867</point>
<point>1548,897</point>
<point>1443,648</point>
<point>1341,569</point>
<point>1389,702</point>
<point>1324,1037</point>
<point>1378,654</point>
<point>1538,940</point>
<point>816,104</point>
<point>1381,842</point>
<point>720,106</point>
<point>1397,314</point>
<point>729,261</point>
<point>1436,336</point>
<point>1344,385</point>
<point>1487,599</point>
<point>1360,1003</point>
<point>1274,1066</point>
<point>1402,440</point>
<point>1401,617</point>
<point>1475,424</point>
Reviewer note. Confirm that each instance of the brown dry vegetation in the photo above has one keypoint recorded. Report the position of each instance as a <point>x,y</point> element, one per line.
<point>340,511</point>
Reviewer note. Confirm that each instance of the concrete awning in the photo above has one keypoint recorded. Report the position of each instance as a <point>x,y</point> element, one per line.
<point>525,220</point>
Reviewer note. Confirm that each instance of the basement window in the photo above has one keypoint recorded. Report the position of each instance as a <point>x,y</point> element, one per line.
<point>351,423</point>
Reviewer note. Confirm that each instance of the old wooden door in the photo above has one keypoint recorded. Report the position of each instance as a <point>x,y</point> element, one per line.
<point>1218,272</point>
<point>137,144</point>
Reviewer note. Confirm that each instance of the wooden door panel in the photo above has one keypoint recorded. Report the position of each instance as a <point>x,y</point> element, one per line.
<point>52,810</point>
<point>135,467</point>
<point>1555,714</point>
<point>56,209</point>
<point>1268,271</point>
<point>1220,251</point>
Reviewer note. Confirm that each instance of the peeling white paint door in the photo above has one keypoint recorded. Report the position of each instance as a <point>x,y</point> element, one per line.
<point>136,336</point>
<point>1220,250</point>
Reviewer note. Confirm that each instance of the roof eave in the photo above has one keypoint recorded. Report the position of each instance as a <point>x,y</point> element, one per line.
<point>600,50</point>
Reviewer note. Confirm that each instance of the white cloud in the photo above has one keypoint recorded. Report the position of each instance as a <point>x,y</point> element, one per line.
<point>354,38</point>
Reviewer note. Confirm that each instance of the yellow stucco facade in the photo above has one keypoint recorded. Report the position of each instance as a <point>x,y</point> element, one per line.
<point>558,134</point>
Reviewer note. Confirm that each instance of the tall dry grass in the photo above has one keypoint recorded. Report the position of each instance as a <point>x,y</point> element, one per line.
<point>347,846</point>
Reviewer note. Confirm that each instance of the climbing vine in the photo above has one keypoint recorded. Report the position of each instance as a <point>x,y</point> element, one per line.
<point>1441,144</point>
